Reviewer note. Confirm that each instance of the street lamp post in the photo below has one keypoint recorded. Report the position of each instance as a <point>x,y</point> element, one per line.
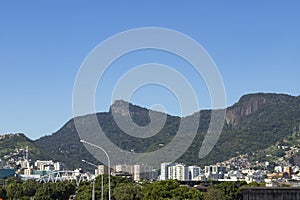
<point>102,186</point>
<point>93,194</point>
<point>108,162</point>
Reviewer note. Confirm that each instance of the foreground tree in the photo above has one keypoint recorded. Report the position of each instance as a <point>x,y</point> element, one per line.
<point>170,189</point>
<point>30,187</point>
<point>14,191</point>
<point>225,190</point>
<point>127,192</point>
<point>84,190</point>
<point>57,191</point>
<point>214,194</point>
<point>2,193</point>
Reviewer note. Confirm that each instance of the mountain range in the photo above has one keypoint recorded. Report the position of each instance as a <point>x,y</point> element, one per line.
<point>255,122</point>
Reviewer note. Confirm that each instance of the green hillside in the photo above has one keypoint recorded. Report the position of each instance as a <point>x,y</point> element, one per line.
<point>254,123</point>
<point>12,144</point>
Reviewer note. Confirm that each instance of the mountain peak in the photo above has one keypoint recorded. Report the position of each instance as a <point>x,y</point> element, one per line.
<point>121,107</point>
<point>271,97</point>
<point>250,103</point>
<point>119,102</point>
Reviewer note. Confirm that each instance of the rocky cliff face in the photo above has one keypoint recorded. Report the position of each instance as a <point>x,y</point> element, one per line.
<point>247,105</point>
<point>120,107</point>
<point>252,103</point>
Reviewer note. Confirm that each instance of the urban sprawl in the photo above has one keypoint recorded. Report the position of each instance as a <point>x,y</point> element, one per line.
<point>17,163</point>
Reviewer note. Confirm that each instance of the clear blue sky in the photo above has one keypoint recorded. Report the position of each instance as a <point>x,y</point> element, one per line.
<point>255,44</point>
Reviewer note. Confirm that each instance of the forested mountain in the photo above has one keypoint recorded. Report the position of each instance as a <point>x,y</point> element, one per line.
<point>255,122</point>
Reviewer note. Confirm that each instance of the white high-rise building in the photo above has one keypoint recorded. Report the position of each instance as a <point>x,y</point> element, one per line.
<point>215,171</point>
<point>194,171</point>
<point>58,166</point>
<point>124,168</point>
<point>47,165</point>
<point>102,169</point>
<point>178,172</point>
<point>144,172</point>
<point>164,171</point>
<point>138,172</point>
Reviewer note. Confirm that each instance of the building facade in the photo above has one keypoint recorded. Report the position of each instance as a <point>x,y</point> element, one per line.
<point>178,172</point>
<point>164,171</point>
<point>194,171</point>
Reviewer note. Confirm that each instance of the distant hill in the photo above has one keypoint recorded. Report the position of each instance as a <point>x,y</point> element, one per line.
<point>11,144</point>
<point>255,122</point>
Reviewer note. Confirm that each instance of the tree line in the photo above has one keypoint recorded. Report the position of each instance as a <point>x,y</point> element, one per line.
<point>121,189</point>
